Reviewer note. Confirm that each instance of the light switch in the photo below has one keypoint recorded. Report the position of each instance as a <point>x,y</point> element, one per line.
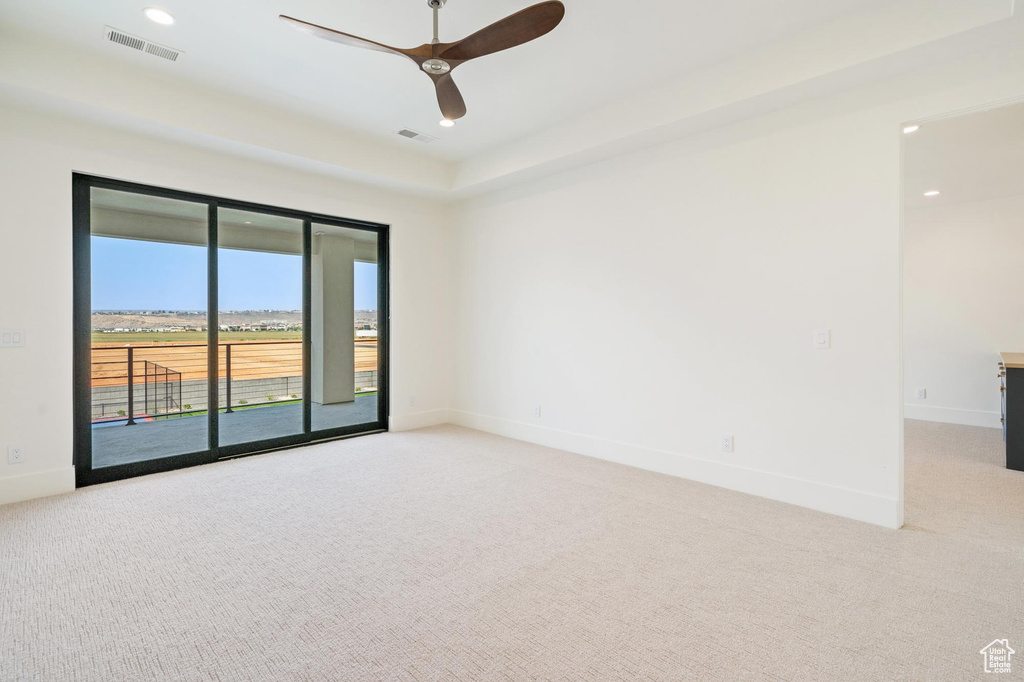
<point>10,338</point>
<point>822,339</point>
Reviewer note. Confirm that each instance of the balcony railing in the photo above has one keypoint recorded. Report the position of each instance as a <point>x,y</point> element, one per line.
<point>147,382</point>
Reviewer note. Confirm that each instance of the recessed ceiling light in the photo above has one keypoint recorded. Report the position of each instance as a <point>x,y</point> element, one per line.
<point>447,123</point>
<point>158,15</point>
<point>911,129</point>
<point>248,222</point>
<point>932,193</point>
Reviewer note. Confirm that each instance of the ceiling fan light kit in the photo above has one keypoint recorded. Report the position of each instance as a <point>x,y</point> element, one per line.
<point>438,59</point>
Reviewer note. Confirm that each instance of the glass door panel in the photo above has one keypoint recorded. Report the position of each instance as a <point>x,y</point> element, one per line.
<point>207,328</point>
<point>260,315</point>
<point>148,351</point>
<point>345,321</point>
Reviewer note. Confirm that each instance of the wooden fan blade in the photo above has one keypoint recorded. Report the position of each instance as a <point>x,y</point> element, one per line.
<point>449,98</point>
<point>521,27</point>
<point>343,38</point>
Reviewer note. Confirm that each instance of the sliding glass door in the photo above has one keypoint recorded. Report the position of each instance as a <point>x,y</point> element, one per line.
<point>208,328</point>
<point>346,322</point>
<point>260,325</point>
<point>147,327</point>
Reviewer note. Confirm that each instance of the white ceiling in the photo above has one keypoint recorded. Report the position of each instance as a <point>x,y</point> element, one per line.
<point>603,52</point>
<point>114,200</point>
<point>141,205</point>
<point>967,158</point>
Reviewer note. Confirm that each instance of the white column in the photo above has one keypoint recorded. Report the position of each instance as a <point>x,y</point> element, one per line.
<point>333,347</point>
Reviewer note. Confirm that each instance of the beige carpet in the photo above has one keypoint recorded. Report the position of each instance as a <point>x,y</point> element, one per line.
<point>447,554</point>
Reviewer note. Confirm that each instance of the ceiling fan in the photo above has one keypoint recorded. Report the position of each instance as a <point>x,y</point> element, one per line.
<point>439,59</point>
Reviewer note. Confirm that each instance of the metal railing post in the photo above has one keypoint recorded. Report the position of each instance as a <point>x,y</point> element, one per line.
<point>131,386</point>
<point>227,369</point>
<point>276,365</point>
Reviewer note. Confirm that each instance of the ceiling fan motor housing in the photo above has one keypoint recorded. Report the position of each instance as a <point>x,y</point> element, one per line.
<point>438,67</point>
<point>436,4</point>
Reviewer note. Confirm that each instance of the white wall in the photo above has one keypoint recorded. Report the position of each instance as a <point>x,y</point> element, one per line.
<point>652,303</point>
<point>962,284</point>
<point>649,303</point>
<point>39,151</point>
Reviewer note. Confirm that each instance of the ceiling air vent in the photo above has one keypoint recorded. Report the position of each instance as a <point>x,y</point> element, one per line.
<point>142,45</point>
<point>414,135</point>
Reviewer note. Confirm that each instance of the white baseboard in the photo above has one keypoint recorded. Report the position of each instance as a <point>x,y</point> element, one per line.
<point>418,420</point>
<point>952,415</point>
<point>853,504</point>
<point>37,484</point>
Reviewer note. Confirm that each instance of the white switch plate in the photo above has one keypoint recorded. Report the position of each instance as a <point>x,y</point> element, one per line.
<point>727,442</point>
<point>412,401</point>
<point>536,411</point>
<point>822,339</point>
<point>12,338</point>
<point>922,393</point>
<point>15,454</point>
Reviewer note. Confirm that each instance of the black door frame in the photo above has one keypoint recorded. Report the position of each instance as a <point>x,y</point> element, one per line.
<point>82,185</point>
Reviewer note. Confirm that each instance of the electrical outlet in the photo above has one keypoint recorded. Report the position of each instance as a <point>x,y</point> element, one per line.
<point>412,401</point>
<point>822,339</point>
<point>727,442</point>
<point>15,454</point>
<point>536,411</point>
<point>922,393</point>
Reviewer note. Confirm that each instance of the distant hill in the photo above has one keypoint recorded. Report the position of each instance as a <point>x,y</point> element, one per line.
<point>138,319</point>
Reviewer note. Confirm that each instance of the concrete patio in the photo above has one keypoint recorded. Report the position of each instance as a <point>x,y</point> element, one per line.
<point>115,444</point>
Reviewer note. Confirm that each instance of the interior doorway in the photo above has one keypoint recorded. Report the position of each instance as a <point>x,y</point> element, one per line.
<point>963,311</point>
<point>208,328</point>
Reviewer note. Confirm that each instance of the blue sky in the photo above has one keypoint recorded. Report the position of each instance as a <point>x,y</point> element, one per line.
<point>137,275</point>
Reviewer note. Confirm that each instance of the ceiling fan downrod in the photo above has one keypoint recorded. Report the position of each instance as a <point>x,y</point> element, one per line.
<point>437,67</point>
<point>435,5</point>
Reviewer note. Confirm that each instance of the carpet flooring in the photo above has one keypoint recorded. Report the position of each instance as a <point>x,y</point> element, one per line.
<point>448,554</point>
